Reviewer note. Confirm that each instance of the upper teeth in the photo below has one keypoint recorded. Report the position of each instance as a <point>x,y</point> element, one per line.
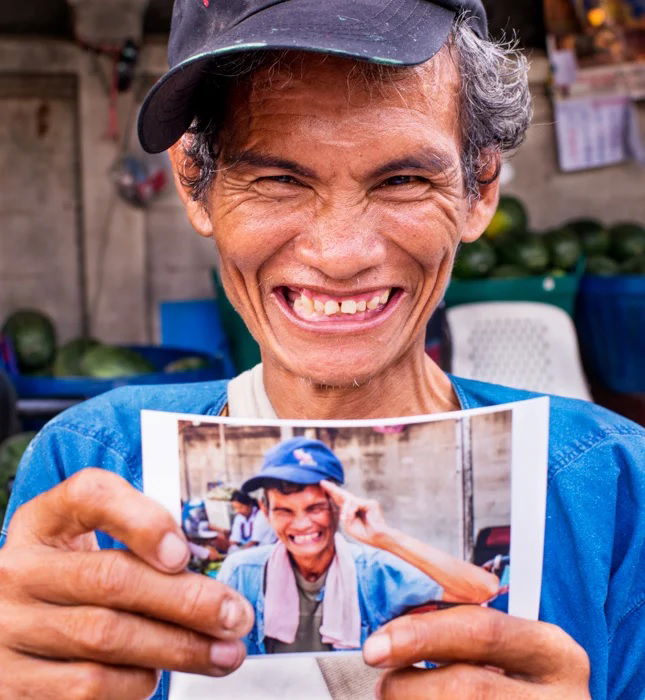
<point>302,539</point>
<point>329,307</point>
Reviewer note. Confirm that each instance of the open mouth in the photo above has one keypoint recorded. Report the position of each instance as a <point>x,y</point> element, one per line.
<point>309,538</point>
<point>317,307</point>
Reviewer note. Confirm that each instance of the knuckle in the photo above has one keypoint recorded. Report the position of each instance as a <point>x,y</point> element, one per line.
<point>571,654</point>
<point>197,598</point>
<point>417,633</point>
<point>187,652</point>
<point>110,577</point>
<point>89,485</point>
<point>97,633</point>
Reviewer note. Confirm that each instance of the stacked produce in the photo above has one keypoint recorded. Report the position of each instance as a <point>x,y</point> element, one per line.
<point>33,338</point>
<point>509,249</point>
<point>11,450</point>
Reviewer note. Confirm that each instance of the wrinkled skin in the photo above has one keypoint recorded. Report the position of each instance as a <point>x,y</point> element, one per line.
<point>79,623</point>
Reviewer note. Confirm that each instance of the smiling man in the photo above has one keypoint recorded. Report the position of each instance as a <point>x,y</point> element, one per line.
<point>337,152</point>
<point>314,590</point>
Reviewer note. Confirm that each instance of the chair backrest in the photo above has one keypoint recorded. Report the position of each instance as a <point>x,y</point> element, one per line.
<point>519,344</point>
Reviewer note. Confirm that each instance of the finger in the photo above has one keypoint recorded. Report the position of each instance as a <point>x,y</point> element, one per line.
<point>27,677</point>
<point>455,681</point>
<point>477,635</point>
<point>337,494</point>
<point>119,638</point>
<point>117,579</point>
<point>95,499</point>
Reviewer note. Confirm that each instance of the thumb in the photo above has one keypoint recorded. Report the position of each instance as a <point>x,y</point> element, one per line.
<point>96,499</point>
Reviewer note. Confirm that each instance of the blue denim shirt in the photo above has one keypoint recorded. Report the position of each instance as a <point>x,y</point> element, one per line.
<point>593,583</point>
<point>386,587</point>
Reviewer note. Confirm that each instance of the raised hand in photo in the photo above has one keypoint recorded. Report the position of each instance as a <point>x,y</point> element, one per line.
<point>461,581</point>
<point>361,518</point>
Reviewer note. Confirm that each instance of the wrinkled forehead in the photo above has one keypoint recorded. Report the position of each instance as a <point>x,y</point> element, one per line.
<point>291,77</point>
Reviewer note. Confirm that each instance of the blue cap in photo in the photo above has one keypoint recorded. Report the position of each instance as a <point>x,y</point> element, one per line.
<point>299,460</point>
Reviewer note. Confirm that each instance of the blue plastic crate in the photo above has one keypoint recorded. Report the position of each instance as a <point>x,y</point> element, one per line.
<point>28,387</point>
<point>610,319</point>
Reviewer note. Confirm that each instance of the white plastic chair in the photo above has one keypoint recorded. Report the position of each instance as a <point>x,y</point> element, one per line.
<point>524,345</point>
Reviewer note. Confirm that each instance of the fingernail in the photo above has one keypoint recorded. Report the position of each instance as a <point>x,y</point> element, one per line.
<point>377,649</point>
<point>172,551</point>
<point>230,613</point>
<point>224,655</point>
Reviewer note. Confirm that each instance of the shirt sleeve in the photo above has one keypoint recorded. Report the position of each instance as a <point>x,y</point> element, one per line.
<point>59,451</point>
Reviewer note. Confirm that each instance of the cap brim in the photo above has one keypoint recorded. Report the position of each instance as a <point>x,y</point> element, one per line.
<point>409,36</point>
<point>295,475</point>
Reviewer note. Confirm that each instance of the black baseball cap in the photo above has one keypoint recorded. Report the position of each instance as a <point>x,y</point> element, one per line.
<point>395,32</point>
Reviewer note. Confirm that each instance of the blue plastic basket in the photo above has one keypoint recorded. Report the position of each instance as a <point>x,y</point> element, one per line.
<point>28,387</point>
<point>610,318</point>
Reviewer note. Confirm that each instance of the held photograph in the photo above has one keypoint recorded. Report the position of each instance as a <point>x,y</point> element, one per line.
<point>333,529</point>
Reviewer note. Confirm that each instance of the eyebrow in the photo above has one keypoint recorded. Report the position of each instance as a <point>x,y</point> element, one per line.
<point>429,160</point>
<point>255,159</point>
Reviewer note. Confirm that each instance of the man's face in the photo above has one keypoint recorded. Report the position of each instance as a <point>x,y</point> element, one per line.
<point>241,508</point>
<point>304,522</point>
<point>337,211</point>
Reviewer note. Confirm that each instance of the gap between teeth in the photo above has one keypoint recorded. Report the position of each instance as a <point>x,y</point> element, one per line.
<point>303,304</point>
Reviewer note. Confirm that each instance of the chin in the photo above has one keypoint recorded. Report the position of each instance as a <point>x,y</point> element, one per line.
<point>342,365</point>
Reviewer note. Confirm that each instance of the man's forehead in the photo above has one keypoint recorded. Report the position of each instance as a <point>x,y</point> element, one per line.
<point>310,493</point>
<point>281,75</point>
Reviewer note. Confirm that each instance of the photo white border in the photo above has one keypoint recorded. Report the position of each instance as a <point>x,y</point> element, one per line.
<point>529,456</point>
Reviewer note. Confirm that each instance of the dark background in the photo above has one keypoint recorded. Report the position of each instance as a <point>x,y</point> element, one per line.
<point>52,18</point>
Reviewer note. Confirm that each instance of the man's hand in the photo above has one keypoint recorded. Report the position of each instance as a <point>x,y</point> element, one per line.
<point>82,623</point>
<point>361,518</point>
<point>487,654</point>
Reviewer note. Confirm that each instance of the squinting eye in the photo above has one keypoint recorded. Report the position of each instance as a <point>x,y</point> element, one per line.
<point>282,179</point>
<point>404,180</point>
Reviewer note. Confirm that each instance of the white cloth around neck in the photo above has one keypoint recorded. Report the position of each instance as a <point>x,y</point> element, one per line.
<point>247,397</point>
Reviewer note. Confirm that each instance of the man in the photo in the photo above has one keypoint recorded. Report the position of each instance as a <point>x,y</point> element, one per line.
<point>314,590</point>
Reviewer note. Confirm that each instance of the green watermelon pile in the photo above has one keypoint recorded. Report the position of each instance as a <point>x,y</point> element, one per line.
<point>510,249</point>
<point>11,450</point>
<point>33,338</point>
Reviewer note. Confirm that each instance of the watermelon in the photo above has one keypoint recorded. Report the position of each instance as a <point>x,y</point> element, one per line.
<point>528,250</point>
<point>111,362</point>
<point>33,337</point>
<point>593,236</point>
<point>564,247</point>
<point>185,364</point>
<point>509,217</point>
<point>67,362</point>
<point>635,266</point>
<point>11,450</point>
<point>508,271</point>
<point>474,260</point>
<point>627,240</point>
<point>602,265</point>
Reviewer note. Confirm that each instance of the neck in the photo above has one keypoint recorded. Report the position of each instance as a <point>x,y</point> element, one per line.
<point>312,568</point>
<point>415,385</point>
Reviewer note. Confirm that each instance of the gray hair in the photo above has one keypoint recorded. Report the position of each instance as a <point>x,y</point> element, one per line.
<point>495,105</point>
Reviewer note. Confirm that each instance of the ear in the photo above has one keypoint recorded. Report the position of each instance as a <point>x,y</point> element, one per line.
<point>481,211</point>
<point>263,507</point>
<point>182,170</point>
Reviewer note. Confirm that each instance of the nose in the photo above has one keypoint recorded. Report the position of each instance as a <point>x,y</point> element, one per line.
<point>301,522</point>
<point>341,242</point>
